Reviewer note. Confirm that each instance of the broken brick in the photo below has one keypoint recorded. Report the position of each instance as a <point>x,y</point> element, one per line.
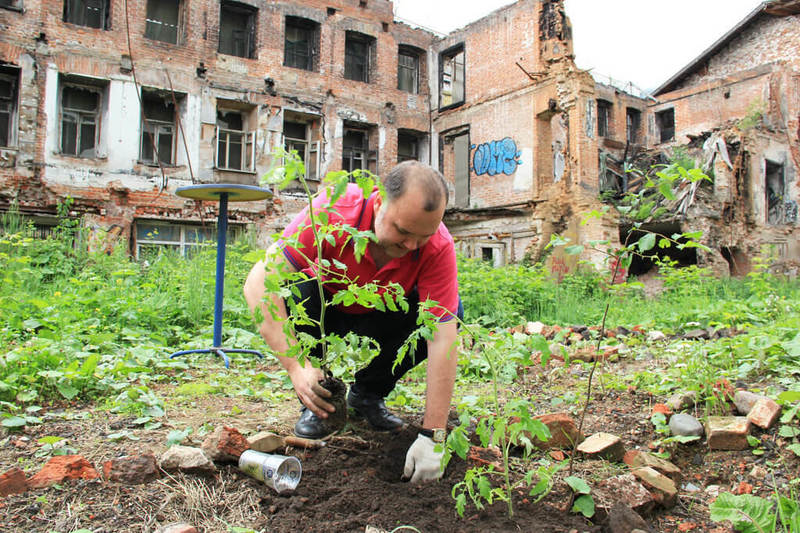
<point>133,470</point>
<point>63,468</point>
<point>660,486</point>
<point>764,413</point>
<point>563,431</point>
<point>639,459</point>
<point>603,445</point>
<point>624,489</point>
<point>225,444</point>
<point>13,482</point>
<point>727,432</point>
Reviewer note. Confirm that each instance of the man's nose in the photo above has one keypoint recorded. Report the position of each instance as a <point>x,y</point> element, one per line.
<point>411,244</point>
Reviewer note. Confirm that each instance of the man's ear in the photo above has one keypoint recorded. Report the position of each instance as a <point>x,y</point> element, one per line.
<point>378,203</point>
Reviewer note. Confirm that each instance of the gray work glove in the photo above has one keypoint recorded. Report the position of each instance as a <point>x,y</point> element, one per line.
<point>423,463</point>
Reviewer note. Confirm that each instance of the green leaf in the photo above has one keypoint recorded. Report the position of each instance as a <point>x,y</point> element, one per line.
<point>665,188</point>
<point>794,448</point>
<point>753,441</point>
<point>584,504</point>
<point>578,485</point>
<point>647,242</point>
<point>461,504</point>
<point>66,390</point>
<point>14,422</point>
<point>575,249</point>
<point>789,396</point>
<point>788,431</point>
<point>742,510</point>
<point>176,436</point>
<point>50,440</point>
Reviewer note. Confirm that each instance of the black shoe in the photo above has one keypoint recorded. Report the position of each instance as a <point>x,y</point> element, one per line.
<point>310,426</point>
<point>372,408</point>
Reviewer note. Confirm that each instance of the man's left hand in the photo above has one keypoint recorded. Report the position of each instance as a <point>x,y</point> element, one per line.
<point>423,462</point>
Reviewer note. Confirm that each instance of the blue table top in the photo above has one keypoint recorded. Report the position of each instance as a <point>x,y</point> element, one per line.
<point>213,191</point>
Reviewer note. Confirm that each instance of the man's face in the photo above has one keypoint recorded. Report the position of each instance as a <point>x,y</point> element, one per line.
<point>402,225</point>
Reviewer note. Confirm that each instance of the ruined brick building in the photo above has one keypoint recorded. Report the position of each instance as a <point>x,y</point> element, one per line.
<point>117,103</point>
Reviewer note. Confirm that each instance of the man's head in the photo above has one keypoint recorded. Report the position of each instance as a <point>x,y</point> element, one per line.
<point>412,209</point>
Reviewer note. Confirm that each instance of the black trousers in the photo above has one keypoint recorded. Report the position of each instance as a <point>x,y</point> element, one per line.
<point>389,329</point>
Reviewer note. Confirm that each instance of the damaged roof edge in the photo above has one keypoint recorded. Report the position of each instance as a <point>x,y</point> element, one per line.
<point>711,50</point>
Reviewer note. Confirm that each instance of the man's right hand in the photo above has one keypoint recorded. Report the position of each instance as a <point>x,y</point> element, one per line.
<point>305,380</point>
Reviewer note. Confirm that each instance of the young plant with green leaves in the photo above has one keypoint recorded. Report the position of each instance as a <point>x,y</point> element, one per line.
<point>505,426</point>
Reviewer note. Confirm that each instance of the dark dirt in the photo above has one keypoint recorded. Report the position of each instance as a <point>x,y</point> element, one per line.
<point>338,389</point>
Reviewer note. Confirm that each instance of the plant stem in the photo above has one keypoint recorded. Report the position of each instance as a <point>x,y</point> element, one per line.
<point>317,277</point>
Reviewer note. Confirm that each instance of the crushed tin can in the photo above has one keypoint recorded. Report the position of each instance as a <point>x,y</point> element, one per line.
<point>281,472</point>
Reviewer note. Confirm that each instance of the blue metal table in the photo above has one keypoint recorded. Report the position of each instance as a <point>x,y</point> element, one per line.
<point>223,193</point>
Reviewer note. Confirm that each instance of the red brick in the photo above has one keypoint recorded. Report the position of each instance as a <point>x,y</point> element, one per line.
<point>63,468</point>
<point>13,482</point>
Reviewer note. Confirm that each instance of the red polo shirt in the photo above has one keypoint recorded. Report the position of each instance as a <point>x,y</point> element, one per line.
<point>431,268</point>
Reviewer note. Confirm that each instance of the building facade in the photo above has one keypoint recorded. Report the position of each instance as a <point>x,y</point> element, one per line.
<point>116,104</point>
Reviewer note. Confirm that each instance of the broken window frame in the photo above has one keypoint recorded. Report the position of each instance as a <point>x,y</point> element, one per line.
<point>408,60</point>
<point>359,56</point>
<point>160,28</point>
<point>242,42</point>
<point>775,197</point>
<point>14,5</point>
<point>153,130</point>
<point>82,118</point>
<point>225,138</point>
<point>358,156</point>
<point>89,13</point>
<point>452,87</point>
<point>604,108</point>
<point>296,56</point>
<point>183,238</point>
<point>409,139</point>
<point>8,109</point>
<point>665,134</point>
<point>309,151</point>
<point>633,125</point>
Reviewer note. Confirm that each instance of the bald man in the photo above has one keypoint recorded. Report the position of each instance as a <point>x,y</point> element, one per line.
<point>413,249</point>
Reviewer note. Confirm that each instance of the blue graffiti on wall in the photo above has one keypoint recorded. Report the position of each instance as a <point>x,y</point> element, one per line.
<point>496,157</point>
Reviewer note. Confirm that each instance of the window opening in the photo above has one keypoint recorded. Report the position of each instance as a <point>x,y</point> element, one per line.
<point>161,22</point>
<point>358,49</point>
<point>297,136</point>
<point>8,109</point>
<point>408,70</point>
<point>92,13</point>
<point>235,144</point>
<point>633,121</point>
<point>603,118</point>
<point>407,147</point>
<point>356,153</point>
<point>451,79</point>
<point>80,116</point>
<point>154,238</point>
<point>775,193</point>
<point>158,129</point>
<point>301,43</point>
<point>665,120</point>
<point>237,30</point>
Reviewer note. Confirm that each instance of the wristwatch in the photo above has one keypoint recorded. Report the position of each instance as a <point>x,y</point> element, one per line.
<point>438,435</point>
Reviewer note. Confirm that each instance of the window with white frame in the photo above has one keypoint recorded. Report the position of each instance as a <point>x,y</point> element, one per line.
<point>157,143</point>
<point>91,13</point>
<point>162,20</point>
<point>154,237</point>
<point>80,119</point>
<point>8,107</point>
<point>297,136</point>
<point>235,144</point>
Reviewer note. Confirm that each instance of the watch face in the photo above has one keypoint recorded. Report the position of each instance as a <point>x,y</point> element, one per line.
<point>439,435</point>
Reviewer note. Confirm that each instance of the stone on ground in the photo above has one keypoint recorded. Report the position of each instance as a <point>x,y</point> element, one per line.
<point>764,413</point>
<point>660,486</point>
<point>563,431</point>
<point>132,469</point>
<point>727,432</point>
<point>225,444</point>
<point>685,425</point>
<point>624,489</point>
<point>623,519</point>
<point>640,459</point>
<point>187,459</point>
<point>682,400</point>
<point>13,482</point>
<point>744,401</point>
<point>63,468</point>
<point>534,328</point>
<point>655,335</point>
<point>177,528</point>
<point>265,441</point>
<point>603,445</point>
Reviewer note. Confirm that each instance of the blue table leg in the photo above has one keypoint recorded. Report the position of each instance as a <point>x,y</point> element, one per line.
<point>219,290</point>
